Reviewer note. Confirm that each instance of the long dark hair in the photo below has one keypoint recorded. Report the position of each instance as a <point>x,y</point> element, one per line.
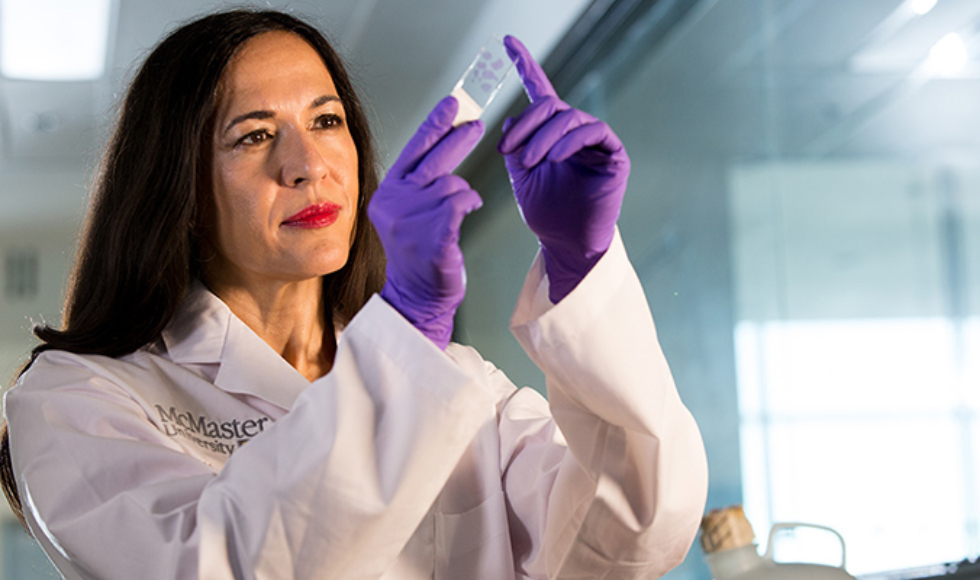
<point>142,243</point>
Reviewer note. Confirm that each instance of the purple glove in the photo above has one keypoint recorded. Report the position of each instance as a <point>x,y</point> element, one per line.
<point>417,211</point>
<point>569,173</point>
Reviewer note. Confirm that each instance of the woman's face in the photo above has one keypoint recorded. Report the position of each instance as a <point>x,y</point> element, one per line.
<point>284,171</point>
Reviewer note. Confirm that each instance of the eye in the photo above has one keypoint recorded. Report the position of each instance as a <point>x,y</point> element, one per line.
<point>328,120</point>
<point>254,137</point>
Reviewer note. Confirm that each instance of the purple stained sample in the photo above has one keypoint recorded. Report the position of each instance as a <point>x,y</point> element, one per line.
<point>485,74</point>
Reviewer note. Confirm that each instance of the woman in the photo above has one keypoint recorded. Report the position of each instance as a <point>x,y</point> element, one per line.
<point>231,399</point>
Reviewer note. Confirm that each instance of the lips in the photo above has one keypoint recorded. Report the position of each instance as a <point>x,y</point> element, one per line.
<point>319,215</point>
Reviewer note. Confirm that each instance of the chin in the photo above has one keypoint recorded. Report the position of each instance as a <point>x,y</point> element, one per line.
<point>327,267</point>
<point>311,262</point>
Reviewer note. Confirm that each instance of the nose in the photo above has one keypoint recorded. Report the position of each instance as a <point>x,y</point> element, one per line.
<point>300,159</point>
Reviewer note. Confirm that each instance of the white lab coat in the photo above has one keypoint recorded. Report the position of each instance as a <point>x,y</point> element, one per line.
<point>206,455</point>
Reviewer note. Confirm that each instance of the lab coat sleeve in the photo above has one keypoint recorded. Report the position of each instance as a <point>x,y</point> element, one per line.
<point>625,497</point>
<point>334,489</point>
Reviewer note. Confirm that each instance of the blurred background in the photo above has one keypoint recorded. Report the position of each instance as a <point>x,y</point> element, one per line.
<point>804,214</point>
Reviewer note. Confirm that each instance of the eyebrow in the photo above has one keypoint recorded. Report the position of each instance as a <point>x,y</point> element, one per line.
<point>264,114</point>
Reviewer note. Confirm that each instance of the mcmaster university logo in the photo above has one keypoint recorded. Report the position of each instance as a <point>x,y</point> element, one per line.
<point>223,437</point>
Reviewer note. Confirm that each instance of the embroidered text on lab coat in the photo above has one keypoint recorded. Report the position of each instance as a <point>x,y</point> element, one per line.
<point>203,431</point>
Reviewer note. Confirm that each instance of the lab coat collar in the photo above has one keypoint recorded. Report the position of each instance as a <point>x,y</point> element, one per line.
<point>205,331</point>
<point>197,332</point>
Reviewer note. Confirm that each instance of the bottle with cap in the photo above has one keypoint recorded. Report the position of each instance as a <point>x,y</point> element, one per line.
<point>731,552</point>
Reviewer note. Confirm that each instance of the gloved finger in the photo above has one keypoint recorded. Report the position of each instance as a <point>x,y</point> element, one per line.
<point>447,186</point>
<point>536,83</point>
<point>431,131</point>
<point>520,129</point>
<point>596,135</point>
<point>458,205</point>
<point>392,209</point>
<point>446,154</point>
<point>549,134</point>
<point>429,199</point>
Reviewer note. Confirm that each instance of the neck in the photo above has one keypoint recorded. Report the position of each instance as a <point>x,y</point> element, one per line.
<point>291,317</point>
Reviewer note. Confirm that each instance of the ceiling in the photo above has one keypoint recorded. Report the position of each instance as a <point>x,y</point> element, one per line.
<point>819,78</point>
<point>758,79</point>
<point>403,56</point>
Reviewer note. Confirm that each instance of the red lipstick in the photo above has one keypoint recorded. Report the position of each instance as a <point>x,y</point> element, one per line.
<point>319,215</point>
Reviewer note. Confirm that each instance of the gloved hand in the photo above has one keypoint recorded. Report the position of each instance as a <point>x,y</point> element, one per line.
<point>417,211</point>
<point>569,173</point>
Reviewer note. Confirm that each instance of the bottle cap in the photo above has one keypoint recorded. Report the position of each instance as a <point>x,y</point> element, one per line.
<point>726,529</point>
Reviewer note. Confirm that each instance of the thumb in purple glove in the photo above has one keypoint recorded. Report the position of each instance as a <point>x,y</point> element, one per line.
<point>417,211</point>
<point>569,173</point>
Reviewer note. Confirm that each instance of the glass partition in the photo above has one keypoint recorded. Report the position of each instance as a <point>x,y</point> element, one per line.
<point>804,213</point>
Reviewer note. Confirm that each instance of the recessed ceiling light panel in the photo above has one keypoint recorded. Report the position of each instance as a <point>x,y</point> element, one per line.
<point>948,56</point>
<point>54,40</point>
<point>921,7</point>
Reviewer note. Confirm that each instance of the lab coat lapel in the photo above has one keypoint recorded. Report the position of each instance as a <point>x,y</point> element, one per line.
<point>250,366</point>
<point>205,331</point>
<point>197,332</point>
